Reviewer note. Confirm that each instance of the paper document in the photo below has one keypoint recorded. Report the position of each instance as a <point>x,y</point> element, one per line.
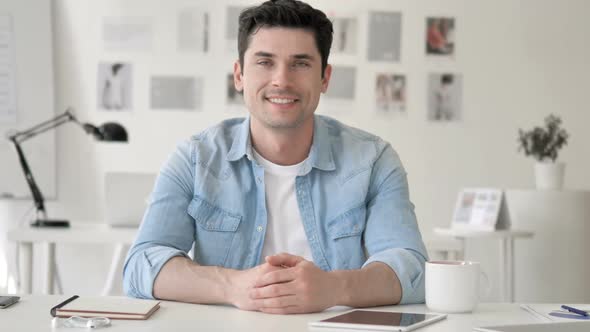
<point>553,312</point>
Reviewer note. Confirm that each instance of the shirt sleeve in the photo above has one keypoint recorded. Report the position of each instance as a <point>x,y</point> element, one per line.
<point>167,230</point>
<point>391,234</point>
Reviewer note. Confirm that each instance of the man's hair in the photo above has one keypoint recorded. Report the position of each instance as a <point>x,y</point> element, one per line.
<point>446,79</point>
<point>288,14</point>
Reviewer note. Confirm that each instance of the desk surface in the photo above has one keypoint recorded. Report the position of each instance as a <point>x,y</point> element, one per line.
<point>32,314</point>
<point>467,233</point>
<point>77,233</point>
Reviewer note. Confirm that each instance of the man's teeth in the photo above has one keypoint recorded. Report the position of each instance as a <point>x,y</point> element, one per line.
<point>281,100</point>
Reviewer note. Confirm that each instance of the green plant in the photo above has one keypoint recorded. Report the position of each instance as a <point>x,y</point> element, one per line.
<point>543,143</point>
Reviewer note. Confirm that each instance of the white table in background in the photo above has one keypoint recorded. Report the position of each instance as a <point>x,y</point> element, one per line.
<point>32,314</point>
<point>88,233</point>
<point>506,238</point>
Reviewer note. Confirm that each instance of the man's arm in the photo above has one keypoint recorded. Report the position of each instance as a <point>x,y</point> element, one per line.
<point>374,285</point>
<point>167,230</point>
<point>391,234</point>
<point>181,279</point>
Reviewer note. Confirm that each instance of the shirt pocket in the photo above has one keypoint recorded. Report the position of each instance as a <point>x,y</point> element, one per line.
<point>214,232</point>
<point>345,232</point>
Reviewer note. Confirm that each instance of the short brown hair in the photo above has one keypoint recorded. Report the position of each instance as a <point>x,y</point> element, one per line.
<point>288,14</point>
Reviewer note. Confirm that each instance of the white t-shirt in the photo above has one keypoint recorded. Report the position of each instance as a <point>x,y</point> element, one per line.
<point>284,228</point>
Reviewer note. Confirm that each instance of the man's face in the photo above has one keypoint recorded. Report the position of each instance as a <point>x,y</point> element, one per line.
<point>282,77</point>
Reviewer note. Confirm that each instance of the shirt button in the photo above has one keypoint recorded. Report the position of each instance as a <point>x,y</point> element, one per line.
<point>259,228</point>
<point>258,179</point>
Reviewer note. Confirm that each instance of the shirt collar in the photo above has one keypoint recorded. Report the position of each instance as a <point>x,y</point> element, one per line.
<point>241,145</point>
<point>320,154</point>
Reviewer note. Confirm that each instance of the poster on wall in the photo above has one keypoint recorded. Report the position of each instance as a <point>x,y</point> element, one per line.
<point>345,37</point>
<point>127,34</point>
<point>440,36</point>
<point>444,97</point>
<point>231,28</point>
<point>384,41</point>
<point>340,96</point>
<point>114,86</point>
<point>182,93</point>
<point>193,30</point>
<point>234,98</point>
<point>8,110</point>
<point>390,93</point>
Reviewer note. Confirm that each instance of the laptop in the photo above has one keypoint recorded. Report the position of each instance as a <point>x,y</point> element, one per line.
<point>126,197</point>
<point>545,327</point>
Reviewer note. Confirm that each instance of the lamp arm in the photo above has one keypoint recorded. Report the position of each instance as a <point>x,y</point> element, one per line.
<point>37,195</point>
<point>42,127</point>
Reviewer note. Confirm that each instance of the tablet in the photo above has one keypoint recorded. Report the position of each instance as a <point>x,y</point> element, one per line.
<point>378,320</point>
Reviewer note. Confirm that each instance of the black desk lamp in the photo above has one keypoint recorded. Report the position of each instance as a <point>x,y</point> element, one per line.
<point>110,131</point>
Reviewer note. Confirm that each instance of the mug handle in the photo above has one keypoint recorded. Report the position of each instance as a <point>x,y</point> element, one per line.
<point>488,288</point>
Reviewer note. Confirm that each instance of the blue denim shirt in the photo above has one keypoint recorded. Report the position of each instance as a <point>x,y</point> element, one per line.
<point>209,196</point>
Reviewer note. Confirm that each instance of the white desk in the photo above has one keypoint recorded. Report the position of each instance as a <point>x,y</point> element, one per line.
<point>506,238</point>
<point>78,233</point>
<point>32,314</point>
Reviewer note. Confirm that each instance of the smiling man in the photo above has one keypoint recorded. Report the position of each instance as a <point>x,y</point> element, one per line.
<point>286,211</point>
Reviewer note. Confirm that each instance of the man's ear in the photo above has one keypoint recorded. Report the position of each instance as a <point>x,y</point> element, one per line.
<point>326,79</point>
<point>239,85</point>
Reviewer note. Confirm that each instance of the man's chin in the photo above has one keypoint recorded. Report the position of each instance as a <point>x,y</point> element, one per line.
<point>283,123</point>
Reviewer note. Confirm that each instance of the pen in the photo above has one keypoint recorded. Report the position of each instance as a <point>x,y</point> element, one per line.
<point>54,309</point>
<point>574,310</point>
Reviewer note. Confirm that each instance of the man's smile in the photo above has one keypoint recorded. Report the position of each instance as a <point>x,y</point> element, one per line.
<point>282,101</point>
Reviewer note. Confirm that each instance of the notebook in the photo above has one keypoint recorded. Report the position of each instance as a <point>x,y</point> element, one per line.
<point>126,196</point>
<point>114,307</point>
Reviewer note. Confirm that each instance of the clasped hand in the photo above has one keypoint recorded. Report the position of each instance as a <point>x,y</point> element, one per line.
<point>285,284</point>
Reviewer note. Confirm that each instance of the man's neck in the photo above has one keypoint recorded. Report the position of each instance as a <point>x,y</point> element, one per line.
<point>282,146</point>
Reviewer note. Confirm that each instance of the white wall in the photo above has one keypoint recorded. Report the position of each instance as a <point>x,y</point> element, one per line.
<point>520,61</point>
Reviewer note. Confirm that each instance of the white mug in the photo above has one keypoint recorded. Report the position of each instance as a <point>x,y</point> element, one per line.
<point>452,286</point>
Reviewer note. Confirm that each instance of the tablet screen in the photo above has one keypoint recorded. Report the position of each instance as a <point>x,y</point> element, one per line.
<point>365,317</point>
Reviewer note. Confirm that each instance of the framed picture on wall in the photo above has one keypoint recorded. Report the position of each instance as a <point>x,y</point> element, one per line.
<point>390,93</point>
<point>440,36</point>
<point>481,209</point>
<point>444,97</point>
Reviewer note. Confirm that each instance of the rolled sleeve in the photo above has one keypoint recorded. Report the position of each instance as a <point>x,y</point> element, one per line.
<point>166,230</point>
<point>408,265</point>
<point>143,268</point>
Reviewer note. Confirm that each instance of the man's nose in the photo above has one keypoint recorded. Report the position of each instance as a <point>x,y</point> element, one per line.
<point>282,76</point>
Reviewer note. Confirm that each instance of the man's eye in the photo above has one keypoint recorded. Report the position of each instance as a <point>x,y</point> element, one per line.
<point>301,64</point>
<point>264,63</point>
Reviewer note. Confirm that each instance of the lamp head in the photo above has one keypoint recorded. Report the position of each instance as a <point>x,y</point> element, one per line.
<point>108,132</point>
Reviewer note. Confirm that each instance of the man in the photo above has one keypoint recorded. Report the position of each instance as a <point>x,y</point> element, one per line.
<point>282,208</point>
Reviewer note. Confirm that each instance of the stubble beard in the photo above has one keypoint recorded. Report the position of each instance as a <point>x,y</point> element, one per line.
<point>272,123</point>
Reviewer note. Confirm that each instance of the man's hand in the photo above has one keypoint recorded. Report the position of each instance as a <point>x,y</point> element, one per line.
<point>243,282</point>
<point>298,286</point>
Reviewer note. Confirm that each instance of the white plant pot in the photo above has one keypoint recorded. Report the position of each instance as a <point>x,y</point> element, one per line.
<point>549,175</point>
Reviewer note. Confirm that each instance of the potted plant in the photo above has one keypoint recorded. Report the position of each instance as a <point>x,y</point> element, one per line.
<point>543,144</point>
